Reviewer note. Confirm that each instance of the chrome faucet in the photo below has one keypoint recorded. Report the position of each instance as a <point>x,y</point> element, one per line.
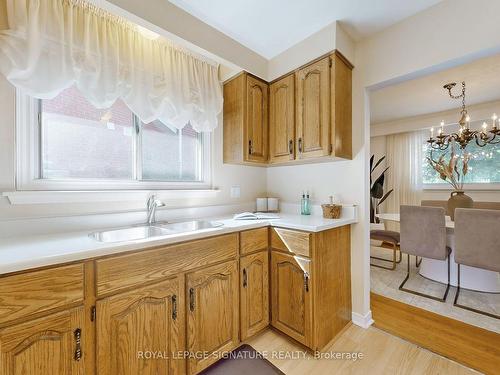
<point>152,204</point>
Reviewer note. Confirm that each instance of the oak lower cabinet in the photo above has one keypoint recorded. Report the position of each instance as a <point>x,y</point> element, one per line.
<point>311,284</point>
<point>292,296</point>
<point>213,314</point>
<point>254,293</point>
<point>45,346</point>
<point>142,331</point>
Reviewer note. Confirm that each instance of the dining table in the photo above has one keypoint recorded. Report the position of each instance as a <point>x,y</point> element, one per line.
<point>470,277</point>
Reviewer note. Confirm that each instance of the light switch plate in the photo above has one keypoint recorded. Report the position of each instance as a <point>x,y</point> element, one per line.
<point>235,191</point>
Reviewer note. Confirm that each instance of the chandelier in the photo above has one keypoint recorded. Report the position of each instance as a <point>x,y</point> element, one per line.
<point>465,135</point>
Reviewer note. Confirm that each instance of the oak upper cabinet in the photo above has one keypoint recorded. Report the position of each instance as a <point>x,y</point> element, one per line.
<point>291,296</point>
<point>282,120</point>
<point>341,104</point>
<point>246,101</point>
<point>213,312</point>
<point>50,345</point>
<point>254,293</point>
<point>134,324</point>
<point>313,110</point>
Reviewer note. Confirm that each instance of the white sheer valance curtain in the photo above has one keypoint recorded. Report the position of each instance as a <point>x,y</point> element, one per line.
<point>404,157</point>
<point>53,44</point>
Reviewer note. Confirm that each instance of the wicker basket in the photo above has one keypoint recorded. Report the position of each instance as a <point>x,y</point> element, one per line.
<point>331,211</point>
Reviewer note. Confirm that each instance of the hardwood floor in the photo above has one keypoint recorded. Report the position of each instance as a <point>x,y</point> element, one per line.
<point>382,354</point>
<point>467,344</point>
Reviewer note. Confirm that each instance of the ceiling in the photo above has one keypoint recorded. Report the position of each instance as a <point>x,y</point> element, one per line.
<point>426,95</point>
<point>269,27</point>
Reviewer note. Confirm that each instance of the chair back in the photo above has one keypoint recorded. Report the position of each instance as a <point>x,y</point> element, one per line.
<point>475,204</point>
<point>423,231</point>
<point>477,238</point>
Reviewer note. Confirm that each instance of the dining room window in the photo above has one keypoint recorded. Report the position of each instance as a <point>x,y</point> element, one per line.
<point>76,146</point>
<point>484,165</point>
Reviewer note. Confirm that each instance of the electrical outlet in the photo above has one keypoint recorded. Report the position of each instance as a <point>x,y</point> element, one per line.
<point>235,191</point>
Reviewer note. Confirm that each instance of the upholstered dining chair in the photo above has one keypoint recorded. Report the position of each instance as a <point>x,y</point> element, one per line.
<point>477,244</point>
<point>392,238</point>
<point>423,234</point>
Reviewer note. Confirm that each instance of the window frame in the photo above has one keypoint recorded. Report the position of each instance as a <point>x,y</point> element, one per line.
<point>469,186</point>
<point>28,160</point>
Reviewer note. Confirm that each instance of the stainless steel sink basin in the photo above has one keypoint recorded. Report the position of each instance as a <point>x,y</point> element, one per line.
<point>150,231</point>
<point>130,234</point>
<point>189,226</point>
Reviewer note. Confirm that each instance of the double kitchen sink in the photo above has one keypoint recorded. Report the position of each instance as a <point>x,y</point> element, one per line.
<point>141,232</point>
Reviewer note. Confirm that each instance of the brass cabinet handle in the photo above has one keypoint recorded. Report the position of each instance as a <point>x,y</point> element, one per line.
<point>300,145</point>
<point>290,146</point>
<point>245,278</point>
<point>250,147</point>
<point>78,344</point>
<point>306,281</point>
<point>191,299</point>
<point>174,307</point>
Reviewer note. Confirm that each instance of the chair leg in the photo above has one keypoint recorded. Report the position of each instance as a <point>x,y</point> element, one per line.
<point>456,304</point>
<point>393,261</point>
<point>443,299</point>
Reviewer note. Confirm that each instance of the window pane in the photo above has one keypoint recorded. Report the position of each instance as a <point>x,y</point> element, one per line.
<point>81,141</point>
<point>169,155</point>
<point>484,165</point>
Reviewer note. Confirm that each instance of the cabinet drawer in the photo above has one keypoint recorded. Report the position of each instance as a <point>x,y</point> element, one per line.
<point>253,240</point>
<point>291,241</point>
<point>124,271</point>
<point>34,292</point>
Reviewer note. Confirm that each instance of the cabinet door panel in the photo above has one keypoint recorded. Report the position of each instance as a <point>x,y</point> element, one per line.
<point>313,109</point>
<point>257,120</point>
<point>212,319</point>
<point>282,120</point>
<point>134,326</point>
<point>44,346</point>
<point>254,287</point>
<point>291,296</point>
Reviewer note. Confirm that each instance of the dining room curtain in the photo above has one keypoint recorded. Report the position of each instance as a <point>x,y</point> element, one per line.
<point>50,45</point>
<point>405,155</point>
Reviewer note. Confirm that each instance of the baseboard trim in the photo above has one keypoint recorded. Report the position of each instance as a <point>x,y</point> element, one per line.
<point>363,321</point>
<point>469,345</point>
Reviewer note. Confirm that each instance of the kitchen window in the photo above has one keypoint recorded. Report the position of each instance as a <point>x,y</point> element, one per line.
<point>65,143</point>
<point>484,167</point>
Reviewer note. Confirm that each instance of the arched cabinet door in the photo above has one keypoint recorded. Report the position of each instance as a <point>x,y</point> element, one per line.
<point>291,296</point>
<point>142,331</point>
<point>313,110</point>
<point>254,293</point>
<point>256,128</point>
<point>45,346</point>
<point>282,120</point>
<point>212,313</point>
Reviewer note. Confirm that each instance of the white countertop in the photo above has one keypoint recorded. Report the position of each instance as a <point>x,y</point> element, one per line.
<point>22,253</point>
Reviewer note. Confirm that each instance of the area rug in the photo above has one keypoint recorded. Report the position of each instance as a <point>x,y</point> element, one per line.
<point>244,360</point>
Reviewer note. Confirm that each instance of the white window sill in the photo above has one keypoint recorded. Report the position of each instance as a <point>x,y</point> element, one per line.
<point>467,187</point>
<point>51,197</point>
